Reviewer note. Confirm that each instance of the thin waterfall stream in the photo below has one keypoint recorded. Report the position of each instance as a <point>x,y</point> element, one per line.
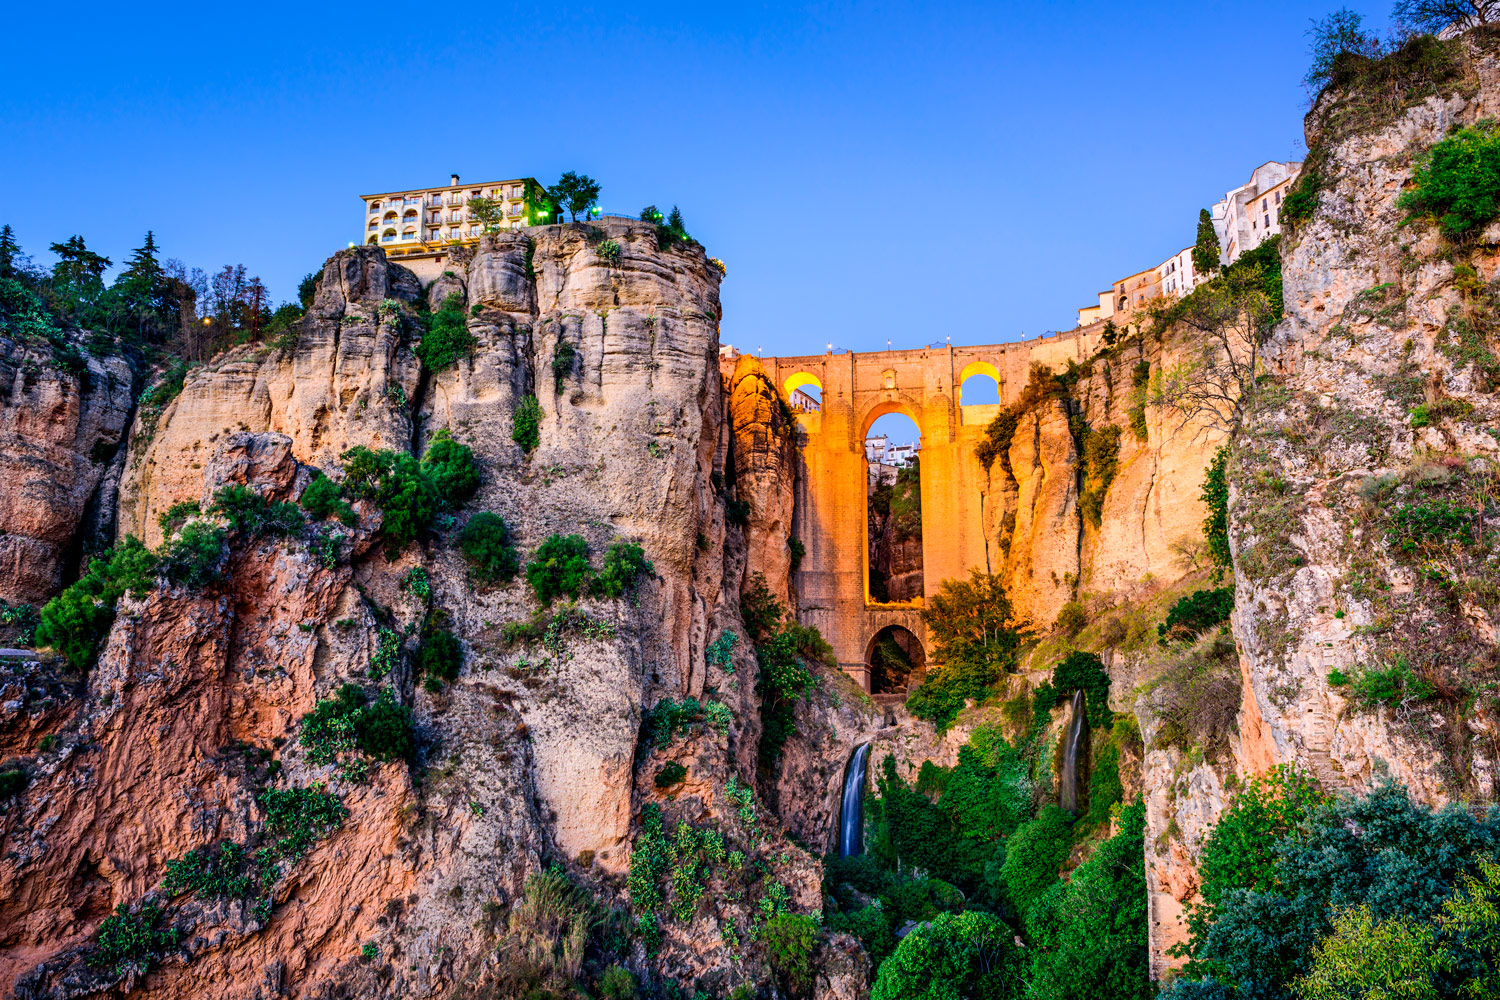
<point>852,808</point>
<point>1077,726</point>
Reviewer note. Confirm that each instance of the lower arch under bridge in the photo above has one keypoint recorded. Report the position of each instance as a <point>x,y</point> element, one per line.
<point>830,514</point>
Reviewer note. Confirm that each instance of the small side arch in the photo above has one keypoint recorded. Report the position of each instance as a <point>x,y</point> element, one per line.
<point>797,395</point>
<point>893,656</point>
<point>981,369</point>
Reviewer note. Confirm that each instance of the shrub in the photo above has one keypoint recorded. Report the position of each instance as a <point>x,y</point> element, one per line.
<point>1396,684</point>
<point>667,717</point>
<point>1140,381</point>
<point>13,781</point>
<point>972,620</point>
<point>211,874</point>
<point>956,955</point>
<point>397,484</point>
<point>1086,671</point>
<point>617,983</point>
<point>1101,457</point>
<point>1216,524</point>
<point>562,363</point>
<point>1089,937</point>
<point>447,338</point>
<point>798,552</point>
<point>441,656</point>
<point>783,674</point>
<point>417,583</point>
<point>174,516</point>
<point>526,426</point>
<point>624,563</point>
<point>485,543</point>
<point>323,499</point>
<point>560,567</point>
<point>450,465</point>
<point>873,928</point>
<point>75,621</point>
<point>248,513</point>
<point>671,773</point>
<point>1457,184</point>
<point>1191,616</point>
<point>608,251</point>
<point>1071,619</point>
<point>348,722</point>
<point>132,942</point>
<point>297,818</point>
<point>1033,854</point>
<point>195,557</point>
<point>789,940</point>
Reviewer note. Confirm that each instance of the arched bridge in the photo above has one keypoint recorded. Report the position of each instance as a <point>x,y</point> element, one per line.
<point>831,518</point>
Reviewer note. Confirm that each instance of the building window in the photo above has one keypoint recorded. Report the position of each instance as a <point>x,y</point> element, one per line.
<point>1268,222</point>
<point>1278,197</point>
<point>1263,205</point>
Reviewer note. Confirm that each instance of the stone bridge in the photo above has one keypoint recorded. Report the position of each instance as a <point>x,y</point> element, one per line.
<point>830,516</point>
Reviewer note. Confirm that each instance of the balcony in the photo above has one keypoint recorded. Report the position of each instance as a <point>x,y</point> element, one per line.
<point>454,199</point>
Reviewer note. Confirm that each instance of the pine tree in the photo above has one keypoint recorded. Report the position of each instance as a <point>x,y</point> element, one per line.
<point>1206,250</point>
<point>10,253</point>
<point>143,267</point>
<point>77,265</point>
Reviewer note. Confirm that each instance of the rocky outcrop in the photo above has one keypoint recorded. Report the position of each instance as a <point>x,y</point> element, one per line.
<point>764,473</point>
<point>1382,415</point>
<point>59,429</point>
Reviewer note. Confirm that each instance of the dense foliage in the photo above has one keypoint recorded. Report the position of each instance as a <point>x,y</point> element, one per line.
<point>1191,616</point>
<point>624,563</point>
<point>1301,894</point>
<point>485,543</point>
<point>348,726</point>
<point>559,568</point>
<point>409,493</point>
<point>75,621</point>
<point>1457,184</point>
<point>971,628</point>
<point>956,955</point>
<point>447,338</point>
<point>1216,525</point>
<point>526,428</point>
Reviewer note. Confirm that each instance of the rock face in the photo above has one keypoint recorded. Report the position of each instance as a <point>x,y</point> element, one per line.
<point>1338,570</point>
<point>531,753</point>
<point>58,432</point>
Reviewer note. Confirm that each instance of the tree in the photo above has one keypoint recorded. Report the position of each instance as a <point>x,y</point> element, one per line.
<point>489,211</point>
<point>972,619</point>
<point>1233,314</point>
<point>575,192</point>
<point>11,259</point>
<point>1206,250</point>
<point>77,265</point>
<point>1369,959</point>
<point>956,955</point>
<point>1335,38</point>
<point>1435,16</point>
<point>307,288</point>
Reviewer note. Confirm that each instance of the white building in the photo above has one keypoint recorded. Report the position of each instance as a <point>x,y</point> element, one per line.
<point>1250,214</point>
<point>880,451</point>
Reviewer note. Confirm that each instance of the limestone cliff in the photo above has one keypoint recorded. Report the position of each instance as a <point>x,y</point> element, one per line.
<point>192,715</point>
<point>60,428</point>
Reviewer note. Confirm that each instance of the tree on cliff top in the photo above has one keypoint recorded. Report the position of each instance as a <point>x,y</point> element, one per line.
<point>575,192</point>
<point>1436,15</point>
<point>1206,250</point>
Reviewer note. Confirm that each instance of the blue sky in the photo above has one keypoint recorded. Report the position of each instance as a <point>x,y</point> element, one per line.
<point>866,171</point>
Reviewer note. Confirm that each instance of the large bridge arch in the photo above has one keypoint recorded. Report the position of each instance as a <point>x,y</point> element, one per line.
<point>830,512</point>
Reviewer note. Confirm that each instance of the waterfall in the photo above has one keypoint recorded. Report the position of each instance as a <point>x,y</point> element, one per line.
<point>852,810</point>
<point>1077,727</point>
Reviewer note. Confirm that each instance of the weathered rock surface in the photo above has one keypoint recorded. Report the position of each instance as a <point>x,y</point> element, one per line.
<point>58,431</point>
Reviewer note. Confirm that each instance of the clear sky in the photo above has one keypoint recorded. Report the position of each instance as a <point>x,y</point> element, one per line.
<point>867,172</point>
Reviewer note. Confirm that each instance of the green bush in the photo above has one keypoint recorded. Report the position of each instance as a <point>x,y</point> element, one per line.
<point>1072,618</point>
<point>1191,616</point>
<point>1395,684</point>
<point>526,428</point>
<point>667,718</point>
<point>624,563</point>
<point>1088,935</point>
<point>1457,184</point>
<point>349,723</point>
<point>297,818</point>
<point>485,543</point>
<point>211,874</point>
<point>1140,381</point>
<point>671,773</point>
<point>248,513</point>
<point>790,939</point>
<point>562,363</point>
<point>871,925</point>
<point>440,656</point>
<point>1216,524</point>
<point>450,465</point>
<point>1034,853</point>
<point>783,674</point>
<point>323,499</point>
<point>1101,459</point>
<point>1105,788</point>
<point>397,484</point>
<point>447,338</point>
<point>195,558</point>
<point>560,567</point>
<point>174,516</point>
<point>956,955</point>
<point>13,781</point>
<point>75,621</point>
<point>617,983</point>
<point>132,942</point>
<point>1086,671</point>
<point>1240,852</point>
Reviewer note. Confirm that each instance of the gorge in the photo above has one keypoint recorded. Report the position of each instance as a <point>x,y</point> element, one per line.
<point>503,637</point>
